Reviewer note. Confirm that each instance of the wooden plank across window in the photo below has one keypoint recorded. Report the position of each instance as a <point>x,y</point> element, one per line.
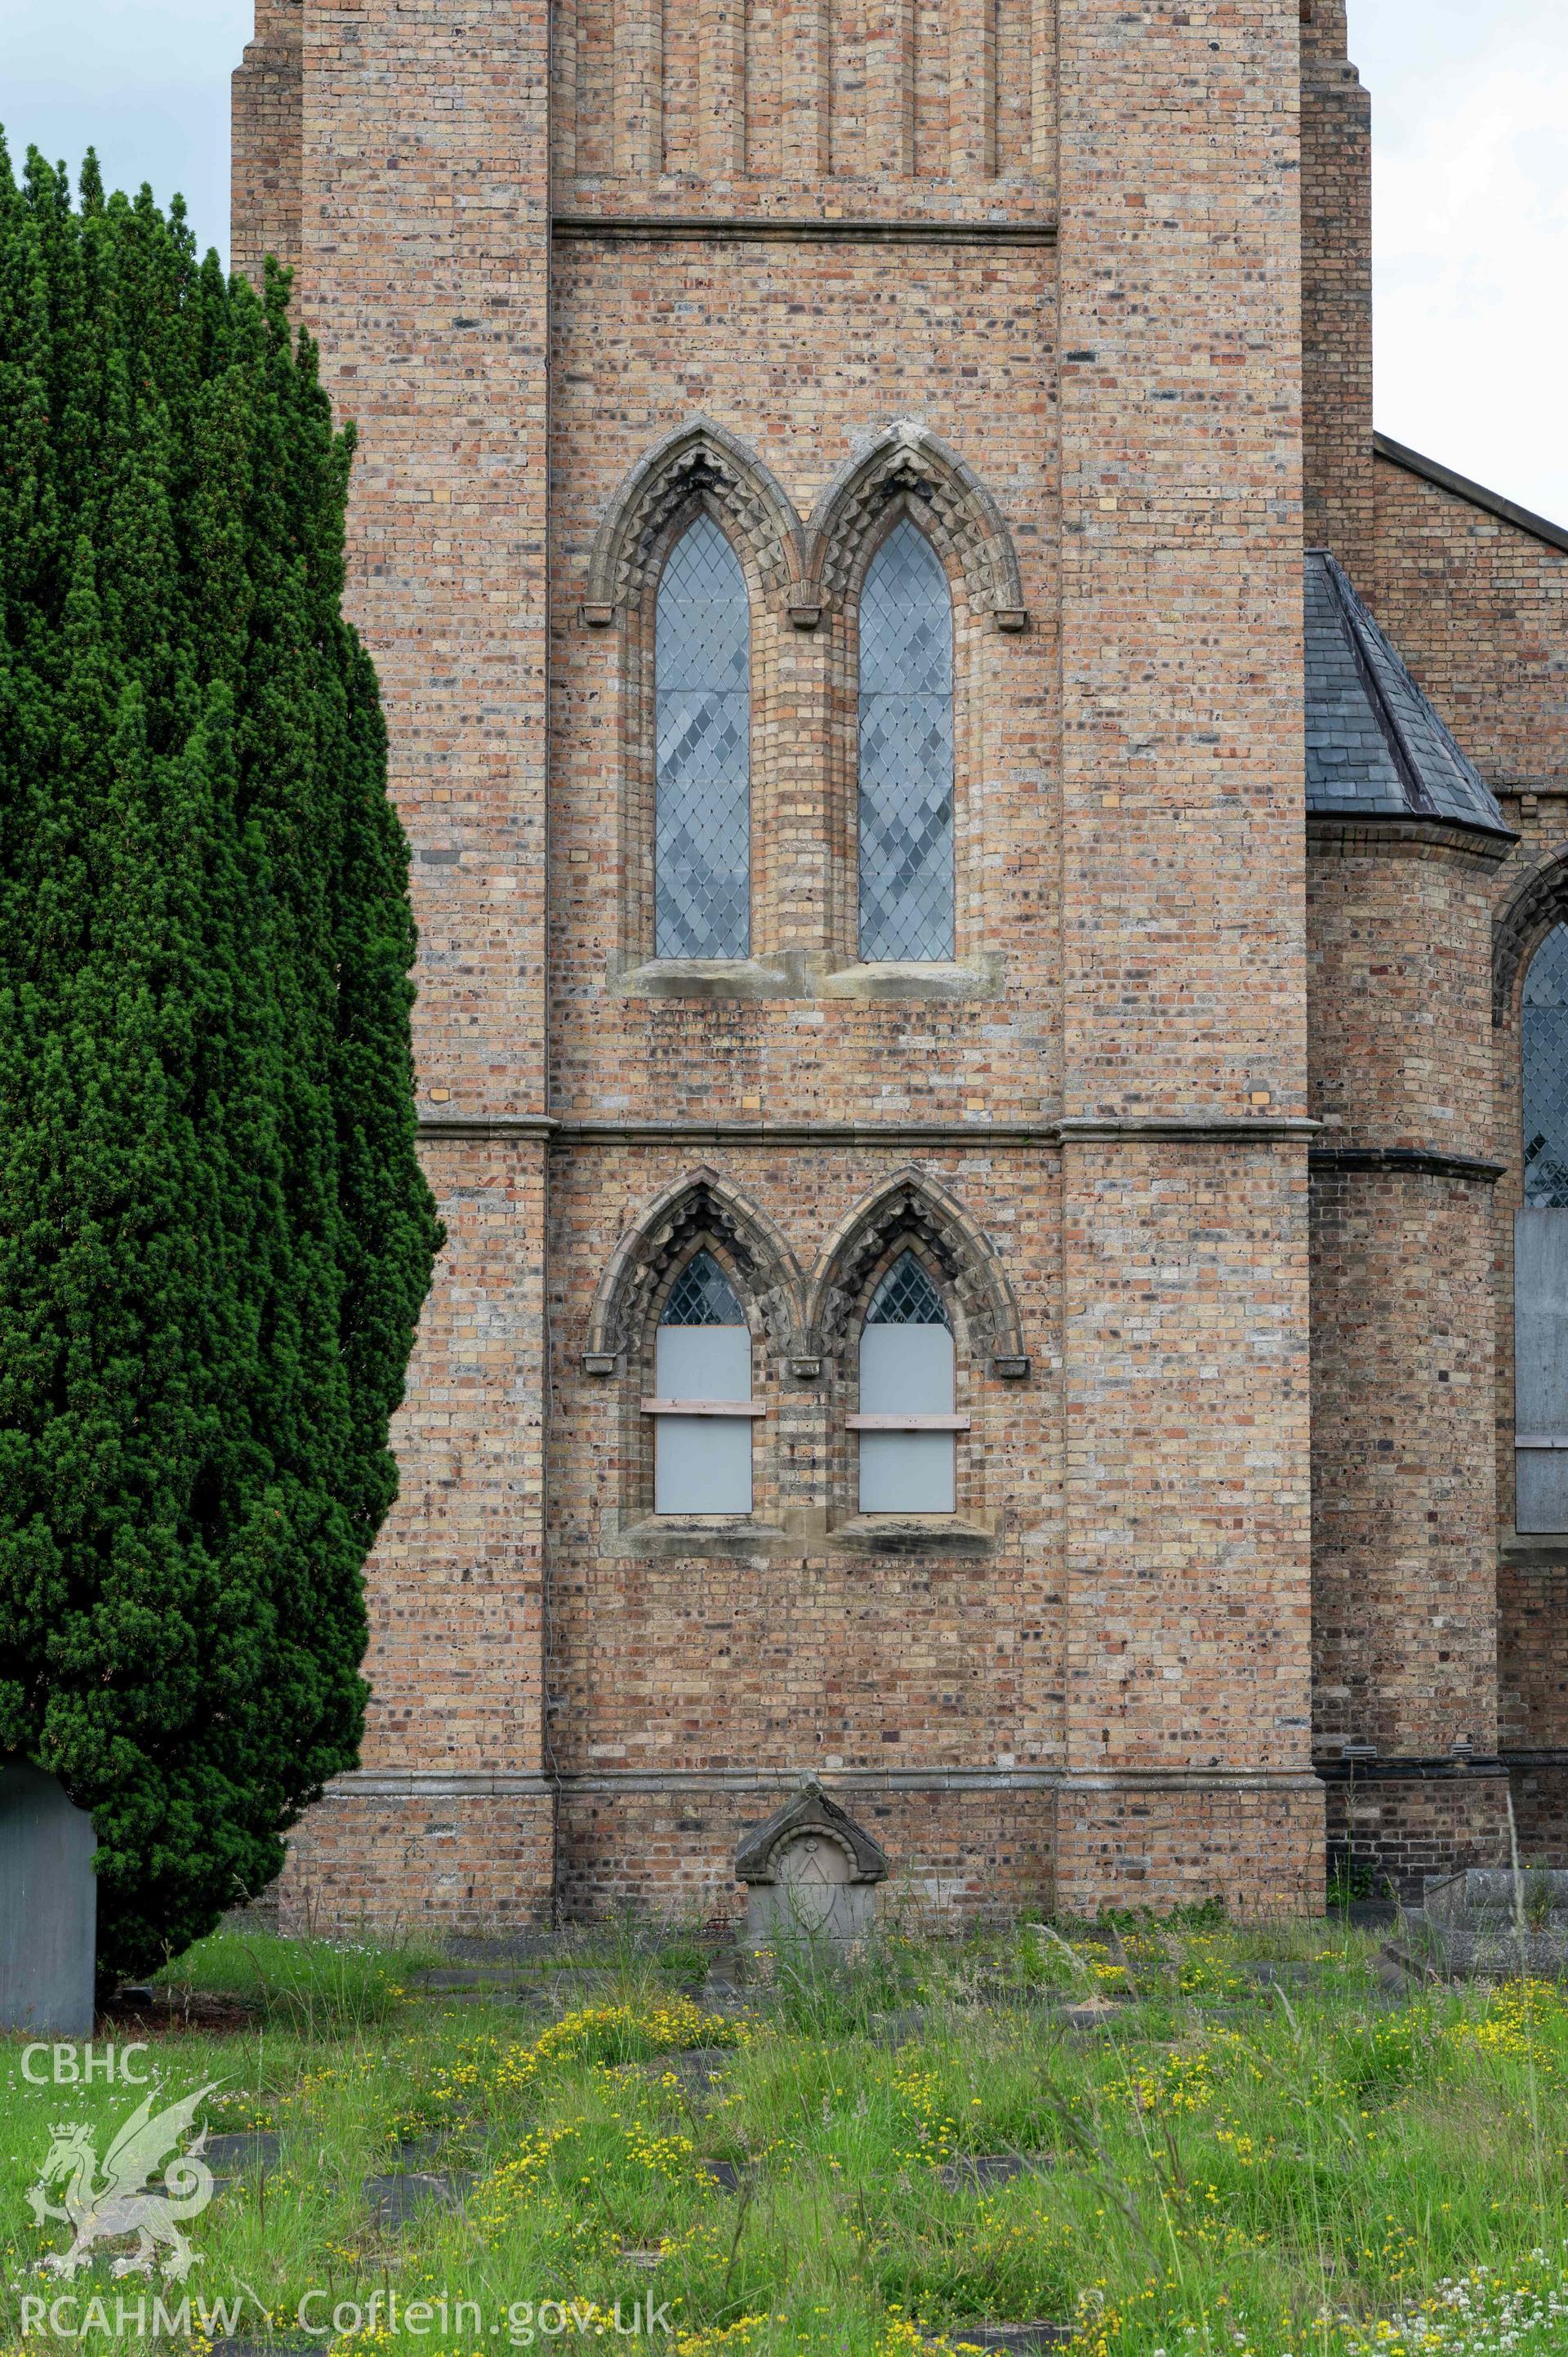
<point>909,1423</point>
<point>702,1407</point>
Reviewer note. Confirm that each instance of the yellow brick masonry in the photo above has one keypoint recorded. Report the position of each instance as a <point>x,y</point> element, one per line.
<point>1183,982</point>
<point>1085,247</point>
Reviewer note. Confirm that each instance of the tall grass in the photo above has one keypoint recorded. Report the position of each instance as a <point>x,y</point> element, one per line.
<point>1215,2167</point>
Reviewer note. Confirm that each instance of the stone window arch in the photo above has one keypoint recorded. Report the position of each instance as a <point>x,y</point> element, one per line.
<point>701,504</point>
<point>702,731</point>
<point>700,1236</point>
<point>912,1235</point>
<point>908,492</point>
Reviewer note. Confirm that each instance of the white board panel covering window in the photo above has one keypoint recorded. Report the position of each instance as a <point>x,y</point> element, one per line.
<point>906,753</point>
<point>704,1411</point>
<point>701,683</point>
<point>907,1424</point>
<point>1540,1248</point>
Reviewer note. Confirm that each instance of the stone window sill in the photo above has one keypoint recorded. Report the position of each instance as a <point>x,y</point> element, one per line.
<point>807,974</point>
<point>1535,1550</point>
<point>739,1538</point>
<point>655,1538</point>
<point>905,1534</point>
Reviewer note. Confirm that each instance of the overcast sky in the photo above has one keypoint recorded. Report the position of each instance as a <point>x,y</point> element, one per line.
<point>1470,98</point>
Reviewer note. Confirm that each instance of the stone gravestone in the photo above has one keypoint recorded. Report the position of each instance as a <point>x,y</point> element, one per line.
<point>49,1906</point>
<point>811,1873</point>
<point>1486,1922</point>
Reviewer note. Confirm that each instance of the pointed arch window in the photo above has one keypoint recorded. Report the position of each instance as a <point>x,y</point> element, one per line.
<point>906,810</point>
<point>704,1411</point>
<point>701,673</point>
<point>1540,1248</point>
<point>907,1425</point>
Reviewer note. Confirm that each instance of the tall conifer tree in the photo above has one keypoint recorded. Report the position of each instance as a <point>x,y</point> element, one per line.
<point>214,1234</point>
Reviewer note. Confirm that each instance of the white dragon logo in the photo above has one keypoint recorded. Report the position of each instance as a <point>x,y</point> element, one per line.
<point>125,2203</point>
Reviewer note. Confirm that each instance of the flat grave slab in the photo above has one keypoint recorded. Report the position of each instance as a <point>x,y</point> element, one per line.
<point>396,2200</point>
<point>979,2172</point>
<point>1038,2335</point>
<point>243,2152</point>
<point>696,2068</point>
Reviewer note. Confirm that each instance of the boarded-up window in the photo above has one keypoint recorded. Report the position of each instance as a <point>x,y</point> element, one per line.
<point>1540,1248</point>
<point>907,1424</point>
<point>701,1457</point>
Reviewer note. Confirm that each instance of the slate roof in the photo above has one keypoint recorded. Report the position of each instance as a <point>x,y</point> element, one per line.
<point>1375,748</point>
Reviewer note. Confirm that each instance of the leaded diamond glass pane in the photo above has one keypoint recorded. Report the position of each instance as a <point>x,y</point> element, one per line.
<point>703,764</point>
<point>701,1296</point>
<point>907,1297</point>
<point>1546,1074</point>
<point>906,753</point>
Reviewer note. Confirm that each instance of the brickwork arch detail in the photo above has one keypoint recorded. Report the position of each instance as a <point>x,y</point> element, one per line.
<point>700,1206</point>
<point>911,469</point>
<point>1539,901</point>
<point>700,464</point>
<point>912,1207</point>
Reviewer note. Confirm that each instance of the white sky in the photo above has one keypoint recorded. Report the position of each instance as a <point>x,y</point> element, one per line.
<point>1470,127</point>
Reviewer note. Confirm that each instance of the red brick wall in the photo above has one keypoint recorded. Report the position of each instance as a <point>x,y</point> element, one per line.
<point>423,272</point>
<point>1182,982</point>
<point>1403,1553</point>
<point>1479,611</point>
<point>420,1862</point>
<point>1479,608</point>
<point>1532,1650</point>
<point>804,352</point>
<point>964,1853</point>
<point>267,130</point>
<point>1336,293</point>
<point>1398,1830</point>
<point>1126,1606</point>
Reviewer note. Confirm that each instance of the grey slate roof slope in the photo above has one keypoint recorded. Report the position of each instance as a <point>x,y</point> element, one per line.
<point>1375,748</point>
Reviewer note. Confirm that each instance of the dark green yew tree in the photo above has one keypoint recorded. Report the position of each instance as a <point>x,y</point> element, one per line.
<point>214,1234</point>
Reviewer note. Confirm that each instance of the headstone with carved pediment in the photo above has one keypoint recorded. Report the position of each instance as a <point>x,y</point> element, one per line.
<point>49,1906</point>
<point>811,1873</point>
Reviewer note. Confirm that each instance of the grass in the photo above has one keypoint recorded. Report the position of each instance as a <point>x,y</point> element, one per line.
<point>1223,2171</point>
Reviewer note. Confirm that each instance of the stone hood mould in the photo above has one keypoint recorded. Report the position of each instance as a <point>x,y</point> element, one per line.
<point>809,1811</point>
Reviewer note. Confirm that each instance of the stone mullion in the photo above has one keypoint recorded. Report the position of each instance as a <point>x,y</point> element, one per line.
<point>632,729</point>
<point>971,932</point>
<point>842,771</point>
<point>800,787</point>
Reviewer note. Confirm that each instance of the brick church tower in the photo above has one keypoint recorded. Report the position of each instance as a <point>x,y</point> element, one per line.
<point>839,519</point>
